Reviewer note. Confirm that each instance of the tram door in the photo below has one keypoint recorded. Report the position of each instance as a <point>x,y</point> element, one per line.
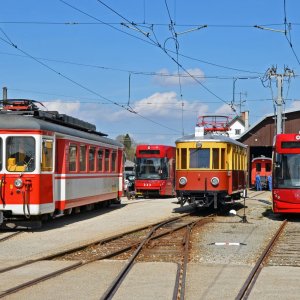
<point>47,171</point>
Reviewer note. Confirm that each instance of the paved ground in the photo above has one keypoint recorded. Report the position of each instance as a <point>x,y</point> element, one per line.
<point>215,272</point>
<point>66,232</point>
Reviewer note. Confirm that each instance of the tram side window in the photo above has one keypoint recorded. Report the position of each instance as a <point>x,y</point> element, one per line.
<point>215,161</point>
<point>72,158</point>
<point>199,158</point>
<point>183,158</point>
<point>82,158</point>
<point>47,155</point>
<point>258,167</point>
<point>106,162</point>
<point>100,160</point>
<point>113,161</point>
<point>92,158</point>
<point>222,158</point>
<point>20,154</point>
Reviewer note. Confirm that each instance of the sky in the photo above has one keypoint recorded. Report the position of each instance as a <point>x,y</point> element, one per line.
<point>151,68</point>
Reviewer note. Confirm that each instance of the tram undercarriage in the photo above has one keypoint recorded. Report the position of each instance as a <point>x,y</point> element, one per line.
<point>202,199</point>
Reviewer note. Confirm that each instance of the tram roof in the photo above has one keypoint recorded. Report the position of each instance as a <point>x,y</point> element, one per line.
<point>209,138</point>
<point>29,122</point>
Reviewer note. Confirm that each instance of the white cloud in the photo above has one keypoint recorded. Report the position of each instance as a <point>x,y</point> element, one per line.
<point>295,105</point>
<point>170,79</point>
<point>225,109</point>
<point>68,108</point>
<point>164,105</point>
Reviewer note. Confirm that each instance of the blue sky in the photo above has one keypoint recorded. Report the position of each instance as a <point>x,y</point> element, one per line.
<point>116,63</point>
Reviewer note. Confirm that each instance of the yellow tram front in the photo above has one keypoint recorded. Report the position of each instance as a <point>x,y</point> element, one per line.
<point>210,170</point>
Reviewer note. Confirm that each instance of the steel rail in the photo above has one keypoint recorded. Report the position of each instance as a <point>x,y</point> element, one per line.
<point>82,263</point>
<point>250,281</point>
<point>112,289</point>
<point>10,236</point>
<point>81,247</point>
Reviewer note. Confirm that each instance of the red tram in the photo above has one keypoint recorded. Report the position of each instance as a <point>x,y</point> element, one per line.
<point>286,173</point>
<point>210,167</point>
<point>155,170</point>
<point>261,166</point>
<point>51,163</point>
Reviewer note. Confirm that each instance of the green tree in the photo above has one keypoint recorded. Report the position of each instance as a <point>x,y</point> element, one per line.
<point>129,145</point>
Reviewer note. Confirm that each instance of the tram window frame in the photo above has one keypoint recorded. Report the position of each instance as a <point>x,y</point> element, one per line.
<point>73,159</point>
<point>47,155</point>
<point>183,160</point>
<point>92,158</point>
<point>100,160</point>
<point>256,167</point>
<point>106,160</point>
<point>199,158</point>
<point>113,160</point>
<point>24,156</point>
<point>223,158</point>
<point>82,158</point>
<point>215,158</point>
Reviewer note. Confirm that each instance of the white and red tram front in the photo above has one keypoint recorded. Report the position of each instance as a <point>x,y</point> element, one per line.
<point>47,168</point>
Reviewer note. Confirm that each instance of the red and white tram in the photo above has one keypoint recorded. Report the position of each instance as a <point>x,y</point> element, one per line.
<point>286,174</point>
<point>51,163</point>
<point>155,170</point>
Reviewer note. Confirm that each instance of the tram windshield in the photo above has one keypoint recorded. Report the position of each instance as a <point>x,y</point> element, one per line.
<point>287,171</point>
<point>152,168</point>
<point>20,154</point>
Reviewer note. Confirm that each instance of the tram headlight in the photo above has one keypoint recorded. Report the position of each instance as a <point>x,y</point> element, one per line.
<point>182,180</point>
<point>18,183</point>
<point>215,181</point>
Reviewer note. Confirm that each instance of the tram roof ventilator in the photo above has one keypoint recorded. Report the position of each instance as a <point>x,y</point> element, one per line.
<point>28,107</point>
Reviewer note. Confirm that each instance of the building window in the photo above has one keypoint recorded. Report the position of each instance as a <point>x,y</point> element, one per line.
<point>237,131</point>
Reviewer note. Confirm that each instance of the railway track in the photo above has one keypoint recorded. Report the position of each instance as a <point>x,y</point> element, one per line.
<point>179,244</point>
<point>262,261</point>
<point>127,243</point>
<point>4,236</point>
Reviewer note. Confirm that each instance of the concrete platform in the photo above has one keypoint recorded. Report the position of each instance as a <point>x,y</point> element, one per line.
<point>277,283</point>
<point>145,281</point>
<point>215,281</point>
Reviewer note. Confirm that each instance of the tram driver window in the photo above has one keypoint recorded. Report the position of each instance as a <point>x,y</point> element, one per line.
<point>20,154</point>
<point>199,158</point>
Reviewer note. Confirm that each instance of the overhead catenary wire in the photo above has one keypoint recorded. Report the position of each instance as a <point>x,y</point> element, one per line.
<point>165,51</point>
<point>9,42</point>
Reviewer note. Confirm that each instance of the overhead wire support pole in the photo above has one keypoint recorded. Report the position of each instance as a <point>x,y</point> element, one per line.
<point>279,102</point>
